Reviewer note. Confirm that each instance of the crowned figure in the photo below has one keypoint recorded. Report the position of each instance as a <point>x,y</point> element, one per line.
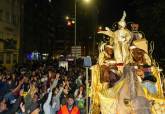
<point>121,42</point>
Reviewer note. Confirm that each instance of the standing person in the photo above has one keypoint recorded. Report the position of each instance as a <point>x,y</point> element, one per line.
<point>139,54</point>
<point>109,73</point>
<point>65,92</point>
<point>69,107</point>
<point>121,41</point>
<point>6,108</point>
<point>47,107</point>
<point>136,35</point>
<point>56,99</point>
<point>80,98</point>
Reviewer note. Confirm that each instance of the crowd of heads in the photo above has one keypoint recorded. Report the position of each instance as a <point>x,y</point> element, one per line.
<point>26,89</point>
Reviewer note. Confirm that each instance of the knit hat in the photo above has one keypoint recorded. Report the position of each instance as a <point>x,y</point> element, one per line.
<point>33,107</point>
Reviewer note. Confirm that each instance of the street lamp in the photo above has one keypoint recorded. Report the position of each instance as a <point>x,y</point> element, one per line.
<point>69,23</point>
<point>87,1</point>
<point>75,35</point>
<point>75,43</point>
<point>75,25</point>
<point>69,20</point>
<point>73,22</point>
<point>67,17</point>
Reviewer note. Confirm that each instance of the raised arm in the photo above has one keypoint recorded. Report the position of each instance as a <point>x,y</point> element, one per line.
<point>54,84</point>
<point>107,32</point>
<point>49,98</point>
<point>59,93</point>
<point>18,87</point>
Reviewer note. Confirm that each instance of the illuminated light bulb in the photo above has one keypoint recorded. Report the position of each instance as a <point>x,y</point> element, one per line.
<point>73,22</point>
<point>69,23</point>
<point>67,17</point>
<point>87,1</point>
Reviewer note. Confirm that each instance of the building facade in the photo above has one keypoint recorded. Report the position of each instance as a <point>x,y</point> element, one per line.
<point>9,32</point>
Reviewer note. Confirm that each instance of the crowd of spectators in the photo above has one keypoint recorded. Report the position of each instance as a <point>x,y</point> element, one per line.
<point>42,89</point>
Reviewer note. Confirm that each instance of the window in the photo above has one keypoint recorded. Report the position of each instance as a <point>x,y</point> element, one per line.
<point>8,59</point>
<point>17,2</point>
<point>14,3</point>
<point>7,17</point>
<point>1,35</point>
<point>1,58</point>
<point>8,1</point>
<point>14,37</point>
<point>14,20</point>
<point>15,58</point>
<point>1,15</point>
<point>10,44</point>
<point>4,35</point>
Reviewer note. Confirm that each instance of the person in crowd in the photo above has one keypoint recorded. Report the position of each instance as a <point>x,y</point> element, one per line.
<point>56,99</point>
<point>69,107</point>
<point>8,103</point>
<point>80,98</point>
<point>148,80</point>
<point>66,91</point>
<point>48,107</point>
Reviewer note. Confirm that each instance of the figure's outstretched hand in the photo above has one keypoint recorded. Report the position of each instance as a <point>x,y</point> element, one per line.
<point>107,32</point>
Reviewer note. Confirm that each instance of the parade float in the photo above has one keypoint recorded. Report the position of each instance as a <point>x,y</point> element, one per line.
<point>126,78</point>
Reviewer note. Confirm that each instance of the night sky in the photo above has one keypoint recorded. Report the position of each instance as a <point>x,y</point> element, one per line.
<point>111,11</point>
<point>51,21</point>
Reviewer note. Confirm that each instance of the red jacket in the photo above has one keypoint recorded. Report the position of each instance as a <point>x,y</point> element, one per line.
<point>64,110</point>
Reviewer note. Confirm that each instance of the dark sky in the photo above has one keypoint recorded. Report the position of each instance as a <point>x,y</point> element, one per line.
<point>111,11</point>
<point>99,12</point>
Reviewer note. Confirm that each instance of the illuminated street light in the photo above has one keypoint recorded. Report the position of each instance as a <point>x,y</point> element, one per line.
<point>75,44</point>
<point>69,20</point>
<point>50,0</point>
<point>73,22</point>
<point>69,23</point>
<point>67,17</point>
<point>75,11</point>
<point>87,1</point>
